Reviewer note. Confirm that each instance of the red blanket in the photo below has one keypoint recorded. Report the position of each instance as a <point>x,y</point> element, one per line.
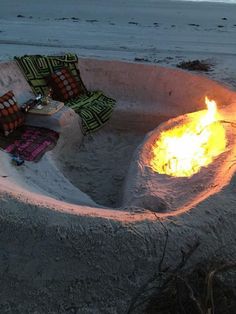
<point>29,143</point>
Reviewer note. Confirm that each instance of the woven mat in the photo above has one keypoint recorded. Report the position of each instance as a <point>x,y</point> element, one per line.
<point>29,143</point>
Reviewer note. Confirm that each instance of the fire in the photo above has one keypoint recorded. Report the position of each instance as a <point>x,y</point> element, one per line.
<point>183,150</point>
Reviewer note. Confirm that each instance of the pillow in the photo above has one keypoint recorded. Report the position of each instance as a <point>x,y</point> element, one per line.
<point>64,85</point>
<point>10,115</point>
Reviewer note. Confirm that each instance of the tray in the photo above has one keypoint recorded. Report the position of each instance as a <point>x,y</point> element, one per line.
<point>47,110</point>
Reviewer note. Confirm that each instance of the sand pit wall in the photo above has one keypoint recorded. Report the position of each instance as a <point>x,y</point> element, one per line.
<point>58,256</point>
<point>148,94</point>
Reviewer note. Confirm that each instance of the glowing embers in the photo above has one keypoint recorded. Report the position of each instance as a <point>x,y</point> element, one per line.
<point>183,150</point>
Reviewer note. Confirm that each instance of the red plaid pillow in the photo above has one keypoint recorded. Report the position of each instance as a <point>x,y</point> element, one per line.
<point>10,115</point>
<point>64,85</point>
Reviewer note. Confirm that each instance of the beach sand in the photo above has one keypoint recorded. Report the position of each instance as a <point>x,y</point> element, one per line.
<point>160,32</point>
<point>164,32</point>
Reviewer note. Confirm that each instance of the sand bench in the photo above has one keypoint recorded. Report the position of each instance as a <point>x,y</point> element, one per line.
<point>11,78</point>
<point>146,95</point>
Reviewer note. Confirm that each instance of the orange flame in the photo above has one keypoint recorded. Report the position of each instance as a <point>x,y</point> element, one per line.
<point>183,150</point>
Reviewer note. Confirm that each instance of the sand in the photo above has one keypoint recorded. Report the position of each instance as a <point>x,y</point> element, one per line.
<point>165,32</point>
<point>95,259</point>
<point>99,165</point>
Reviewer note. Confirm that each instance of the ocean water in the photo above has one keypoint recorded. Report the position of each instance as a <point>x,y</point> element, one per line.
<point>224,1</point>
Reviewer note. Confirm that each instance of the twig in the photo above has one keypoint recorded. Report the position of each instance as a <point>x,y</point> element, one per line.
<point>186,255</point>
<point>233,124</point>
<point>170,277</point>
<point>165,246</point>
<point>185,258</point>
<point>180,303</point>
<point>144,288</point>
<point>210,297</point>
<point>191,295</point>
<point>141,291</point>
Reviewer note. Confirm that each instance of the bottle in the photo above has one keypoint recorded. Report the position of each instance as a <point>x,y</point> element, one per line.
<point>31,103</point>
<point>27,106</point>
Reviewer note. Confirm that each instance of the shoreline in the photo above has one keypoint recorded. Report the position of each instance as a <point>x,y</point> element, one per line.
<point>161,32</point>
<point>204,1</point>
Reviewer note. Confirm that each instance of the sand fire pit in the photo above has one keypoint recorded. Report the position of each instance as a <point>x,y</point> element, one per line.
<point>183,161</point>
<point>185,149</point>
<point>62,247</point>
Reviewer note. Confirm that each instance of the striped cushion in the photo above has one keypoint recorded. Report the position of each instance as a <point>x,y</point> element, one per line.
<point>64,85</point>
<point>10,115</point>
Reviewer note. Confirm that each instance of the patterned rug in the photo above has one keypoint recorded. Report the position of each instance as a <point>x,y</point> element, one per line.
<point>29,143</point>
<point>94,108</point>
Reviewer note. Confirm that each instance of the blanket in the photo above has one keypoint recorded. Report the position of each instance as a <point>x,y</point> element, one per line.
<point>37,69</point>
<point>29,143</point>
<point>94,108</point>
